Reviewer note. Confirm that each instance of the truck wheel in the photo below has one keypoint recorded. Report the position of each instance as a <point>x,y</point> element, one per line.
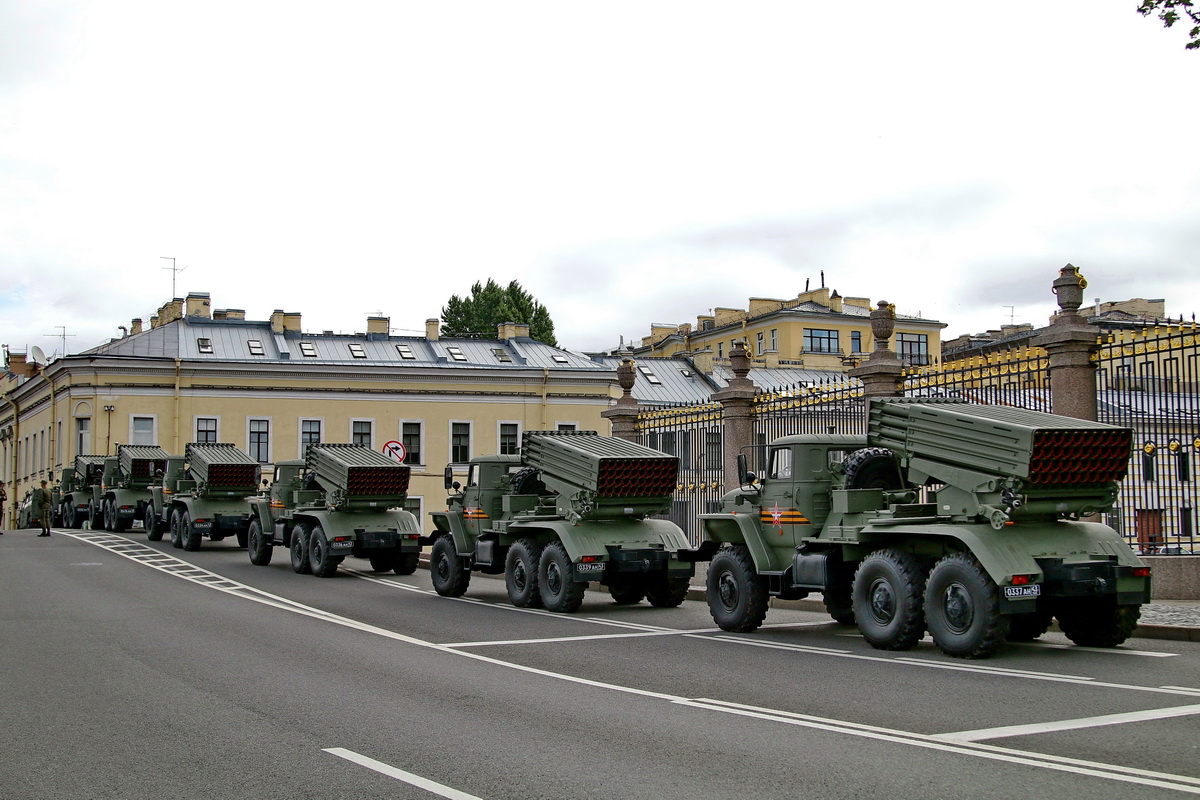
<point>556,582</point>
<point>839,604</point>
<point>176,536</point>
<point>380,562</point>
<point>119,524</point>
<point>737,595</point>
<point>191,536</point>
<point>1097,621</point>
<point>888,594</point>
<point>666,590</point>
<point>627,591</point>
<point>450,578</point>
<point>243,538</point>
<point>872,468</point>
<point>320,562</point>
<point>1027,627</point>
<point>299,549</point>
<point>962,608</point>
<point>110,515</point>
<point>154,531</point>
<point>258,546</point>
<point>521,573</point>
<point>406,563</point>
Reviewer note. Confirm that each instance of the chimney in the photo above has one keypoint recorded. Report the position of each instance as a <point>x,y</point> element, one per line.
<point>198,305</point>
<point>431,329</point>
<point>283,321</point>
<point>511,330</point>
<point>378,325</point>
<point>170,311</point>
<point>153,321</point>
<point>235,313</point>
<point>18,366</point>
<point>277,320</point>
<point>136,326</point>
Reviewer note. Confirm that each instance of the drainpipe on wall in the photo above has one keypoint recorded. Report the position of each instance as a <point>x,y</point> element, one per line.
<point>175,448</point>
<point>545,398</point>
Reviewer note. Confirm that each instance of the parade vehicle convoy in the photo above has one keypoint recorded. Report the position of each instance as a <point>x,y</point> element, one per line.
<point>77,489</point>
<point>124,490</point>
<point>572,507</point>
<point>204,494</point>
<point>963,519</point>
<point>340,500</point>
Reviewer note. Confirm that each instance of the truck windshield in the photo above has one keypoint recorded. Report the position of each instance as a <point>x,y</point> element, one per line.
<point>781,464</point>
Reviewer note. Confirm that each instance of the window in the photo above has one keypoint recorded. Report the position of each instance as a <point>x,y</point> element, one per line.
<point>558,358</point>
<point>260,440</point>
<point>204,345</point>
<point>410,437</point>
<point>256,347</point>
<point>502,355</point>
<point>781,464</point>
<point>206,430</point>
<point>567,426</point>
<point>774,339</point>
<point>413,506</point>
<point>456,353</point>
<point>360,432</point>
<point>405,352</point>
<point>308,350</point>
<point>821,341</point>
<point>914,348</point>
<point>460,442</point>
<point>720,349</point>
<point>510,438</point>
<point>356,350</point>
<point>760,346</point>
<point>83,436</point>
<point>650,376</point>
<point>141,430</point>
<point>855,341</point>
<point>310,434</point>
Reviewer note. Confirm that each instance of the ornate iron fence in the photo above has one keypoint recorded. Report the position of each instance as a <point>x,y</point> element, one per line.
<point>693,433</point>
<point>1019,377</point>
<point>833,406</point>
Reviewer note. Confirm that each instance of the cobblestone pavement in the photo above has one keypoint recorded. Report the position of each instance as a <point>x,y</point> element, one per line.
<point>1172,612</point>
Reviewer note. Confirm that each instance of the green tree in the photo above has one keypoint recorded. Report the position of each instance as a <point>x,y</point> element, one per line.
<point>489,304</point>
<point>1170,12</point>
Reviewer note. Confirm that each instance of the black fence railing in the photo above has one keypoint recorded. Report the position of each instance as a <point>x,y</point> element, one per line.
<point>693,433</point>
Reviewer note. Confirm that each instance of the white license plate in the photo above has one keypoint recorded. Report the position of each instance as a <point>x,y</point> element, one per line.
<point>595,567</point>
<point>1015,592</point>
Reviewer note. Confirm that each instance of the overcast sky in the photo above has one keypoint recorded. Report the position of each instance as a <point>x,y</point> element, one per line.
<point>627,162</point>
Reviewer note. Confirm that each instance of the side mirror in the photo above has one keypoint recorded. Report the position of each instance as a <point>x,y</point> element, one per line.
<point>745,476</point>
<point>448,478</point>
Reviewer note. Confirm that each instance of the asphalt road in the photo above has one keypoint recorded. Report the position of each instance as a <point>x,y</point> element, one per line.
<point>131,670</point>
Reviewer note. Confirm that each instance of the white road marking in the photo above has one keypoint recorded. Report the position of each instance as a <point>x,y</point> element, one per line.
<point>593,638</point>
<point>399,774</point>
<point>1068,724</point>
<point>1114,772</point>
<point>1110,651</point>
<point>1186,689</point>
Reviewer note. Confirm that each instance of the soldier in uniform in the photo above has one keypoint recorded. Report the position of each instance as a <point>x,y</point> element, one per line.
<point>41,502</point>
<point>3,497</point>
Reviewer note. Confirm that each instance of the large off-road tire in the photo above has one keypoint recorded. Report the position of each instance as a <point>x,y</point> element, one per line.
<point>521,573</point>
<point>191,536</point>
<point>1027,627</point>
<point>737,595</point>
<point>243,537</point>
<point>839,603</point>
<point>556,580</point>
<point>75,520</point>
<point>154,528</point>
<point>450,576</point>
<point>381,561</point>
<point>259,545</point>
<point>110,515</point>
<point>405,563</point>
<point>872,468</point>
<point>176,531</point>
<point>962,608</point>
<point>320,561</point>
<point>298,549</point>
<point>1096,621</point>
<point>666,590</point>
<point>526,481</point>
<point>888,599</point>
<point>627,591</point>
<point>95,520</point>
<point>120,524</point>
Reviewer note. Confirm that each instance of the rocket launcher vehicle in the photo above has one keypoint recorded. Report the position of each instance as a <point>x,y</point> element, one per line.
<point>221,469</point>
<point>353,475</point>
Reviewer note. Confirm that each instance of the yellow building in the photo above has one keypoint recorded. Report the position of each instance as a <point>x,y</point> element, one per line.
<point>817,330</point>
<point>196,375</point>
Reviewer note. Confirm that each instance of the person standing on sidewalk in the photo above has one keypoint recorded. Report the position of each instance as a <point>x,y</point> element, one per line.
<point>3,497</point>
<point>41,501</point>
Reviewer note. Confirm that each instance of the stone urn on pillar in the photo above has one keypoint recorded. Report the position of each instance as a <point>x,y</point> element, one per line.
<point>623,415</point>
<point>1072,344</point>
<point>880,373</point>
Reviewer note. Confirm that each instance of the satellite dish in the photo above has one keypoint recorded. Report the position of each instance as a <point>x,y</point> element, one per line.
<point>37,355</point>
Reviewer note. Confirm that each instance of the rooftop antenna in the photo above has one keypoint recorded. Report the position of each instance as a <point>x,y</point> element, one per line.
<point>1012,314</point>
<point>174,272</point>
<point>63,335</point>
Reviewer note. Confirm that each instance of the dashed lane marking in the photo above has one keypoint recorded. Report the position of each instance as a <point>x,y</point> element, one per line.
<point>1069,724</point>
<point>439,789</point>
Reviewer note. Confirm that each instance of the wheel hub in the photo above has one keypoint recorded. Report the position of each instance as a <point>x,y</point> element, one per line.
<point>519,576</point>
<point>883,601</point>
<point>554,579</point>
<point>959,610</point>
<point>727,590</point>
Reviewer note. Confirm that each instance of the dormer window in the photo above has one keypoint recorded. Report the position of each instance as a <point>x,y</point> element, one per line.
<point>357,351</point>
<point>558,358</point>
<point>456,353</point>
<point>405,352</point>
<point>650,376</point>
<point>255,346</point>
<point>204,345</point>
<point>502,355</point>
<point>308,350</point>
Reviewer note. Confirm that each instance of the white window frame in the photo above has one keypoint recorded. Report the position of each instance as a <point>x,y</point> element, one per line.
<point>420,423</point>
<point>270,438</point>
<point>196,424</point>
<point>80,448</point>
<point>300,433</point>
<point>153,428</point>
<point>575,426</point>
<point>308,349</point>
<point>370,421</point>
<point>420,512</point>
<point>520,430</point>
<point>450,439</point>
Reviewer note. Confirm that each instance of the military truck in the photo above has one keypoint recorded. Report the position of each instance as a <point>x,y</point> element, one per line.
<point>971,521</point>
<point>571,508</point>
<point>77,489</point>
<point>124,488</point>
<point>204,495</point>
<point>340,500</point>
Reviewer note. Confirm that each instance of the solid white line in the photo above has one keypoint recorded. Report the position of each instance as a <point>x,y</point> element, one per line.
<point>1068,724</point>
<point>593,638</point>
<point>399,774</point>
<point>1187,689</point>
<point>1108,651</point>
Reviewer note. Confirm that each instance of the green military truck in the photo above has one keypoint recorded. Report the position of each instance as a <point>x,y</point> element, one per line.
<point>970,521</point>
<point>340,500</point>
<point>125,486</point>
<point>76,490</point>
<point>573,507</point>
<point>203,495</point>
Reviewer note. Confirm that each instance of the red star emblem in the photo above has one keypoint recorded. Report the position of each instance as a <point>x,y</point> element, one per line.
<point>776,516</point>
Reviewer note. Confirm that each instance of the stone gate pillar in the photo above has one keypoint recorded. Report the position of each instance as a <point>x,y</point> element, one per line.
<point>880,373</point>
<point>623,415</point>
<point>1072,343</point>
<point>736,401</point>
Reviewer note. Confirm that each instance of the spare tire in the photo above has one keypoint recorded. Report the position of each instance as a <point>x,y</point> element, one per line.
<point>873,468</point>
